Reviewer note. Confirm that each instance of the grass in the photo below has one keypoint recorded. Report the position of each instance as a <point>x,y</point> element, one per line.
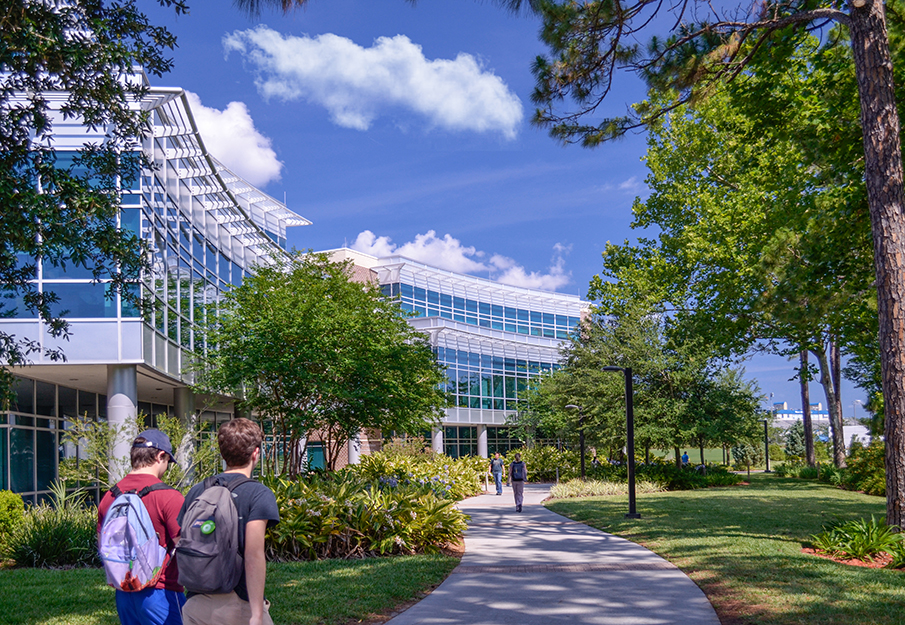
<point>327,592</point>
<point>711,455</point>
<point>742,546</point>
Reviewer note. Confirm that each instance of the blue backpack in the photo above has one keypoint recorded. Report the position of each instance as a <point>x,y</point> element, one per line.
<point>129,546</point>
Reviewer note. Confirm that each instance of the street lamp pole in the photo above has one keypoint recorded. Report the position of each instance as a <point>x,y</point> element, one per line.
<point>630,438</point>
<point>766,447</point>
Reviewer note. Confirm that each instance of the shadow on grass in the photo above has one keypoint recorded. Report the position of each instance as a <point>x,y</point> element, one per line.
<point>742,545</point>
<point>302,593</point>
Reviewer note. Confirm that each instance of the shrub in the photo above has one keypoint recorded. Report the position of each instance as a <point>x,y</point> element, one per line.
<point>898,555</point>
<point>544,460</point>
<point>860,539</point>
<point>60,534</point>
<point>668,476</point>
<point>597,488</point>
<point>866,469</point>
<point>12,511</point>
<point>448,478</point>
<point>339,516</point>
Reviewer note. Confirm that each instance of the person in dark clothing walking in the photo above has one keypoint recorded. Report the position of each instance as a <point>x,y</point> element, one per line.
<point>518,475</point>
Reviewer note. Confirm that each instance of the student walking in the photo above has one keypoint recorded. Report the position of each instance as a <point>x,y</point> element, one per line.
<point>518,475</point>
<point>255,509</point>
<point>160,602</point>
<point>496,469</point>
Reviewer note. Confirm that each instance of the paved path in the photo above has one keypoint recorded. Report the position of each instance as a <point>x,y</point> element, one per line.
<point>538,567</point>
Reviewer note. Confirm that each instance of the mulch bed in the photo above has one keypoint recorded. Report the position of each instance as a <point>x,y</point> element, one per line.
<point>880,561</point>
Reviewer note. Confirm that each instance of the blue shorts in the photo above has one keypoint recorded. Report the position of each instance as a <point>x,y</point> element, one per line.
<point>151,606</point>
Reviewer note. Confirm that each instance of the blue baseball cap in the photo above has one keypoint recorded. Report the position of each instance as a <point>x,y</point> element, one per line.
<point>155,439</point>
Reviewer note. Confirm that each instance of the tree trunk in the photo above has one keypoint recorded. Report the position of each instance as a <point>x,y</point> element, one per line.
<point>678,458</point>
<point>836,369</point>
<point>832,406</point>
<point>810,458</point>
<point>883,176</point>
<point>703,464</point>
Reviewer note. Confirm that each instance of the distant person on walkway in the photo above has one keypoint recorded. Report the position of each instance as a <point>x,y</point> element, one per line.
<point>518,475</point>
<point>684,458</point>
<point>496,469</point>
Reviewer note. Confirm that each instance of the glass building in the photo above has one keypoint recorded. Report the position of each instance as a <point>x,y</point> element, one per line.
<point>205,227</point>
<point>491,337</point>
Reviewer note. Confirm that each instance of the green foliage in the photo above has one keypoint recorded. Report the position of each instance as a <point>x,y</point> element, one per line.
<point>860,539</point>
<point>93,441</point>
<point>667,475</point>
<point>446,477</point>
<point>798,469</point>
<point>866,468</point>
<point>795,442</point>
<point>597,488</point>
<point>12,512</point>
<point>341,516</point>
<point>354,362</point>
<point>897,552</point>
<point>63,533</point>
<point>543,461</point>
<point>413,446</point>
<point>747,455</point>
<point>61,211</point>
<point>683,392</point>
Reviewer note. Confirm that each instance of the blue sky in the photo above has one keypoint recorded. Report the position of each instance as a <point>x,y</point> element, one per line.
<point>406,128</point>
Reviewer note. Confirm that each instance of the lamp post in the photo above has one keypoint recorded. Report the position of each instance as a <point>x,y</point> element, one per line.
<point>580,435</point>
<point>766,447</point>
<point>630,438</point>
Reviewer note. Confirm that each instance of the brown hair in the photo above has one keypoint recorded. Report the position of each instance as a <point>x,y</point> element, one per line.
<point>142,457</point>
<point>238,439</point>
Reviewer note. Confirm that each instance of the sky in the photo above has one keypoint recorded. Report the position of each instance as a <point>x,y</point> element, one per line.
<point>400,128</point>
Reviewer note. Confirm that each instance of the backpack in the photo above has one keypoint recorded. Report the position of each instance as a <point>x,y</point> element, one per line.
<point>518,471</point>
<point>208,551</point>
<point>128,544</point>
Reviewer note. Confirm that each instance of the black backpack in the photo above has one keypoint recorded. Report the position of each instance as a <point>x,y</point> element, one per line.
<point>208,551</point>
<point>518,471</point>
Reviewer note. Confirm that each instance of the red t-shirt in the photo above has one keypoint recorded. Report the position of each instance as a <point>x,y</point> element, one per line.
<point>163,507</point>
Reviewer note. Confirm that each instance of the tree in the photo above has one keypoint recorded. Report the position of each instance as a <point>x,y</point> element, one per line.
<point>69,61</point>
<point>682,394</point>
<point>591,39</point>
<point>759,244</point>
<point>314,352</point>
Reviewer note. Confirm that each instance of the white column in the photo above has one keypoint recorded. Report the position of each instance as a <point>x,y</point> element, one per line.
<point>437,439</point>
<point>122,408</point>
<point>184,409</point>
<point>355,449</point>
<point>482,441</point>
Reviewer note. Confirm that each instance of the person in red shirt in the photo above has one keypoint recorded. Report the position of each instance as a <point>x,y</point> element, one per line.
<point>150,456</point>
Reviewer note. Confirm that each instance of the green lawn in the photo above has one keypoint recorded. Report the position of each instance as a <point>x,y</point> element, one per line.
<point>742,545</point>
<point>712,456</point>
<point>303,593</point>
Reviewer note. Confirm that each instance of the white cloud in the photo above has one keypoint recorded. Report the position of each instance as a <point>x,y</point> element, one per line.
<point>630,186</point>
<point>231,136</point>
<point>356,84</point>
<point>449,253</point>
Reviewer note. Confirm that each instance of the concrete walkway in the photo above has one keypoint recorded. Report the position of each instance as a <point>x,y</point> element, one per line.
<point>538,567</point>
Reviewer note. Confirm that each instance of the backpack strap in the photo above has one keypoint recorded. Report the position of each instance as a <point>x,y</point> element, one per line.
<point>115,491</point>
<point>158,486</point>
<point>229,485</point>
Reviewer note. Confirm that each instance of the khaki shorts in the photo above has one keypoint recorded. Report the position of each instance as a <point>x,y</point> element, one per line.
<point>226,609</point>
